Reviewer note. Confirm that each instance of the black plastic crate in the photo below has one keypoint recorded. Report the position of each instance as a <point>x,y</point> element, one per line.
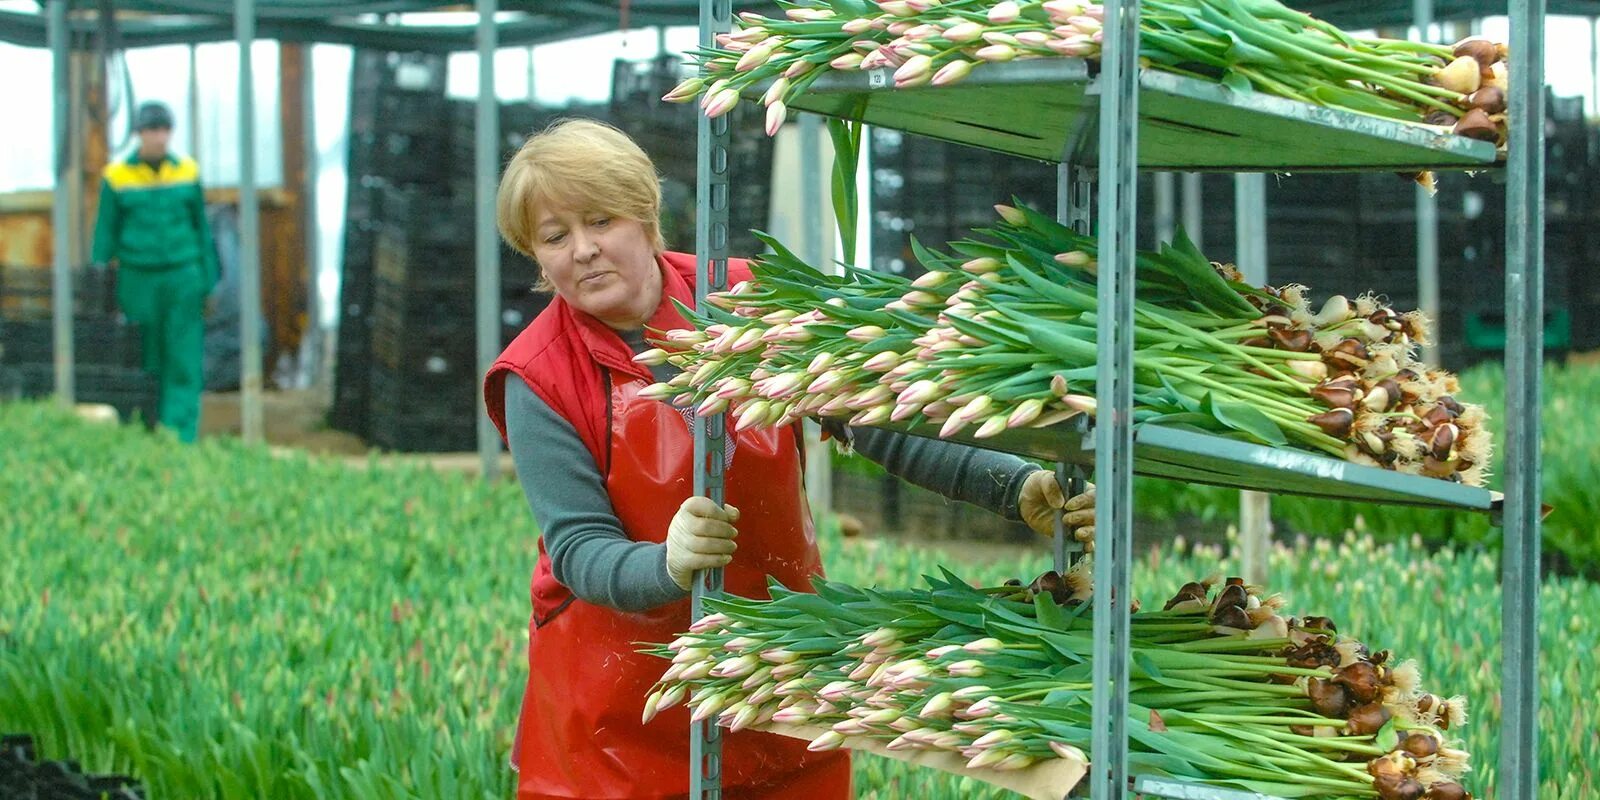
<point>132,392</point>
<point>96,342</point>
<point>397,157</point>
<point>378,70</point>
<point>430,351</point>
<point>400,112</point>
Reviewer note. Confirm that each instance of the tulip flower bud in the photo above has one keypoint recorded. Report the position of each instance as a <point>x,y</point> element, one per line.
<point>964,32</point>
<point>1037,40</point>
<point>847,61</point>
<point>685,91</point>
<point>827,741</point>
<point>996,53</point>
<point>1011,215</point>
<point>722,103</point>
<point>1002,13</point>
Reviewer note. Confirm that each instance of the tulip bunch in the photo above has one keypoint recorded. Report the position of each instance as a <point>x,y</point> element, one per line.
<point>1248,45</point>
<point>1004,336</point>
<point>1224,688</point>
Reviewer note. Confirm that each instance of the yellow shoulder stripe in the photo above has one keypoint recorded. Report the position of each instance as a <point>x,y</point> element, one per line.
<point>124,176</point>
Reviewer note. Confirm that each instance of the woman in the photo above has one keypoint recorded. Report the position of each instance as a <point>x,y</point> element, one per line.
<point>609,479</point>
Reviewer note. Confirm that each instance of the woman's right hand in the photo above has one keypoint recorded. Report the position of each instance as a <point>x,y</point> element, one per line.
<point>700,537</point>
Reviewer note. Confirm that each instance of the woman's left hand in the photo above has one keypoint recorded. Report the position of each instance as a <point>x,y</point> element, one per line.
<point>1042,502</point>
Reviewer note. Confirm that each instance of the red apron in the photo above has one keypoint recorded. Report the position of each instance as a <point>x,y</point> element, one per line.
<point>579,735</point>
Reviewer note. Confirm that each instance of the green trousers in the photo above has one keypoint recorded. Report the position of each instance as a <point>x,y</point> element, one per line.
<point>169,307</point>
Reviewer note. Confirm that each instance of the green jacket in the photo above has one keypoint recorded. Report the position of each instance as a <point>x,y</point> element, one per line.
<point>153,220</point>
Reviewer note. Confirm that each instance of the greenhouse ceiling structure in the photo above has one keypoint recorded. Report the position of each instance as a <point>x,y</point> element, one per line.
<point>518,23</point>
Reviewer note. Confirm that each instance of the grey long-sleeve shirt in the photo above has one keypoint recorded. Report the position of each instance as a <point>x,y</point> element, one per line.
<point>592,555</point>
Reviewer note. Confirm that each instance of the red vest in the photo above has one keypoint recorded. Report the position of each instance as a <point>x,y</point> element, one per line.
<point>579,734</point>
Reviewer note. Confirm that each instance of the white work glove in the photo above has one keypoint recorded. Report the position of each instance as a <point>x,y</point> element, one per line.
<point>700,537</point>
<point>1042,501</point>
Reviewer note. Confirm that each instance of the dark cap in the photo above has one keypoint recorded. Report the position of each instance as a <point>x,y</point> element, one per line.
<point>152,114</point>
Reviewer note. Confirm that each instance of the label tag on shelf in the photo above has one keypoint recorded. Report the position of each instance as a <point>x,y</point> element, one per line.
<point>878,78</point>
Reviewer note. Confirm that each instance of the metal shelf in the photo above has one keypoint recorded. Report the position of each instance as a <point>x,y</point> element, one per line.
<point>1182,790</point>
<point>1194,457</point>
<point>1045,109</point>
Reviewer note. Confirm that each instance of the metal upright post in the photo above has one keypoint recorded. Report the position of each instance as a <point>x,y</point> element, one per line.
<point>1074,208</point>
<point>711,275</point>
<point>62,210</point>
<point>1519,694</point>
<point>1427,219</point>
<point>1250,226</point>
<point>1193,210</point>
<point>1113,434</point>
<point>815,249</point>
<point>244,29</point>
<point>487,242</point>
<point>1166,202</point>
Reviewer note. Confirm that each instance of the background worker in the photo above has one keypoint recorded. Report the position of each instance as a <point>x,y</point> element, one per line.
<point>152,227</point>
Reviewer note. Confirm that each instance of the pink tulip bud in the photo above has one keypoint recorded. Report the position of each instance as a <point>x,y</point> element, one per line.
<point>917,70</point>
<point>755,57</point>
<point>920,392</point>
<point>996,53</point>
<point>778,655</point>
<point>1095,11</point>
<point>1088,25</point>
<point>827,741</point>
<point>722,103</point>
<point>898,8</point>
<point>712,405</point>
<point>923,6</point>
<point>1062,10</point>
<point>952,72</point>
<point>856,26</point>
<point>776,113</point>
<point>882,362</point>
<point>1011,215</point>
<point>686,91</point>
<point>937,652</point>
<point>847,61</point>
<point>981,266</point>
<point>672,696</point>
<point>1064,750</point>
<point>798,68</point>
<point>658,391</point>
<point>775,92</point>
<point>793,715</point>
<point>953,425</point>
<point>986,758</point>
<point>991,427</point>
<point>1080,402</point>
<point>1025,412</point>
<point>708,623</point>
<point>877,415</point>
<point>850,727</point>
<point>964,32</point>
<point>977,407</point>
<point>971,668</point>
<point>866,333</point>
<point>900,28</point>
<point>1035,39</point>
<point>1005,12</point>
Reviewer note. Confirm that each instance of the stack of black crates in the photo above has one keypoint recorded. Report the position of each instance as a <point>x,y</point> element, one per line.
<point>107,351</point>
<point>406,361</point>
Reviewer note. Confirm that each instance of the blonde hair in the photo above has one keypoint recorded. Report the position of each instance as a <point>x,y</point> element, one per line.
<point>581,164</point>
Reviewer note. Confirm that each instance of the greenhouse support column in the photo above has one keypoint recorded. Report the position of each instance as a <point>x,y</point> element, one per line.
<point>1519,615</point>
<point>1075,209</point>
<point>1193,212</point>
<point>244,29</point>
<point>815,250</point>
<point>62,210</point>
<point>1427,219</point>
<point>1113,433</point>
<point>488,243</point>
<point>1250,227</point>
<point>711,275</point>
<point>1166,197</point>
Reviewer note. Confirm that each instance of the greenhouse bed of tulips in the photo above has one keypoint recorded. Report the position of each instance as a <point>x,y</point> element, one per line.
<point>306,629</point>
